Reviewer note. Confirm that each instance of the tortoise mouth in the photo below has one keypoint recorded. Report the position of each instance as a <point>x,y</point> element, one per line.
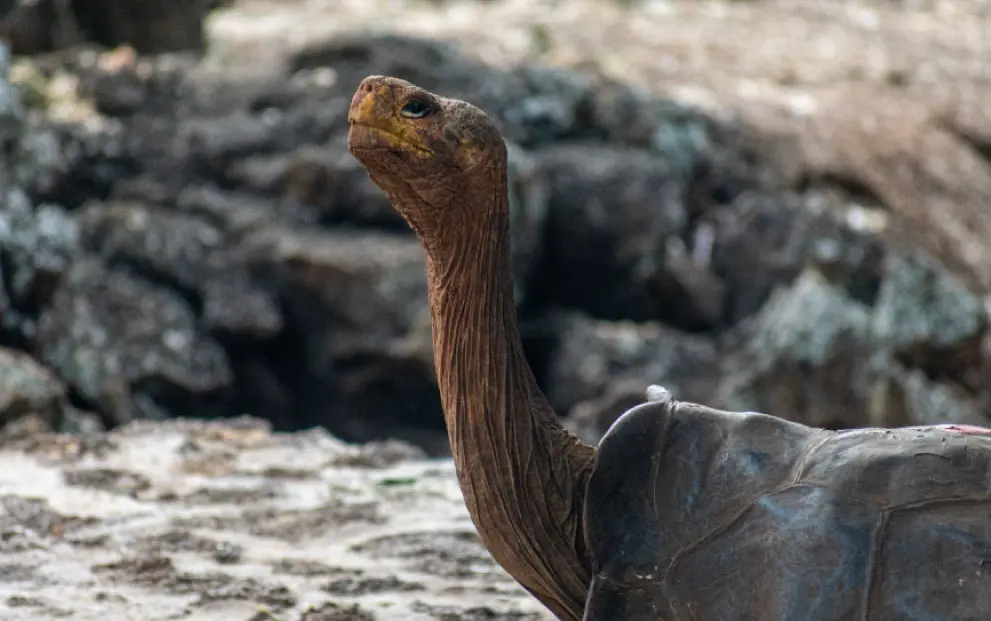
<point>366,137</point>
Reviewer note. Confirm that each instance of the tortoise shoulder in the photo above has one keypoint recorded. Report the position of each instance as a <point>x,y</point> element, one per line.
<point>668,472</point>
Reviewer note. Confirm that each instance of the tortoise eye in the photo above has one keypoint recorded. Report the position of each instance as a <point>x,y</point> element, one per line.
<point>416,109</point>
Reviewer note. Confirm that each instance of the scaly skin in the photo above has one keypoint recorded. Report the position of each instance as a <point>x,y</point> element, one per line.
<point>523,476</point>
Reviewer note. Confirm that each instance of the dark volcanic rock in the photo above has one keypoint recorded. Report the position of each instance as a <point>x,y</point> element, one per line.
<point>616,217</point>
<point>239,213</point>
<point>212,144</point>
<point>36,241</point>
<point>36,246</point>
<point>332,182</point>
<point>601,368</point>
<point>528,209</point>
<point>72,163</point>
<point>147,25</point>
<point>815,355</point>
<point>763,240</point>
<point>28,388</point>
<point>806,356</point>
<point>34,26</point>
<point>369,285</point>
<point>129,347</point>
<point>540,105</point>
<point>930,320</point>
<point>189,254</point>
<point>593,354</point>
<point>357,301</point>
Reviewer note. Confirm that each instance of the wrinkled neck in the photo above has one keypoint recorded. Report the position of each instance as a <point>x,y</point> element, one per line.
<point>481,368</point>
<point>522,474</point>
<point>482,373</point>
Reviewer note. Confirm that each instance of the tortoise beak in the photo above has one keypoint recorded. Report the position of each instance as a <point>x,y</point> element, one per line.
<point>369,115</point>
<point>372,102</point>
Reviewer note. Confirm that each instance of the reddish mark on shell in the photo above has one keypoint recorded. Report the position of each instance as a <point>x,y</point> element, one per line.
<point>966,429</point>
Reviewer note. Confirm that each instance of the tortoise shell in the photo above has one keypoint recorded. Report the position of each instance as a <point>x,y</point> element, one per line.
<point>697,513</point>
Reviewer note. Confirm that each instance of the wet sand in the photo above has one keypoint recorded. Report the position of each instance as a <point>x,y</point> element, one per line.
<point>212,521</point>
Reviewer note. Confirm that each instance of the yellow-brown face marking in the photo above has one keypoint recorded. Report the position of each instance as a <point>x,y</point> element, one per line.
<point>430,154</point>
<point>382,117</point>
<point>390,117</point>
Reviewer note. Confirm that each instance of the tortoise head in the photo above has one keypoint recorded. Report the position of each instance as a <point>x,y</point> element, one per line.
<point>436,158</point>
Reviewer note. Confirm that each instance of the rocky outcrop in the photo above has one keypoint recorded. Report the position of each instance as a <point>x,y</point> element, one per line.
<point>862,335</point>
<point>183,240</point>
<point>600,367</point>
<point>129,348</point>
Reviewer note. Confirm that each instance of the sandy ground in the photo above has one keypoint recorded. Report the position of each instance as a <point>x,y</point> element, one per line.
<point>229,522</point>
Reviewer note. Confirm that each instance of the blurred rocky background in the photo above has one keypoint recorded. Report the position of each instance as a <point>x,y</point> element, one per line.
<point>761,205</point>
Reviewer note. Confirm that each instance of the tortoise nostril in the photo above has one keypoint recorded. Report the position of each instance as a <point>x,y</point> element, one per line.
<point>365,89</point>
<point>370,83</point>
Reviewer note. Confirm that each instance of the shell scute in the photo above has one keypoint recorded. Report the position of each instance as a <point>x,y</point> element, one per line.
<point>798,553</point>
<point>696,513</point>
<point>935,563</point>
<point>902,467</point>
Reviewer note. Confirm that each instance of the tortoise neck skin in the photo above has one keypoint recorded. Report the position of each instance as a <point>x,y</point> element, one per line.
<point>523,476</point>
